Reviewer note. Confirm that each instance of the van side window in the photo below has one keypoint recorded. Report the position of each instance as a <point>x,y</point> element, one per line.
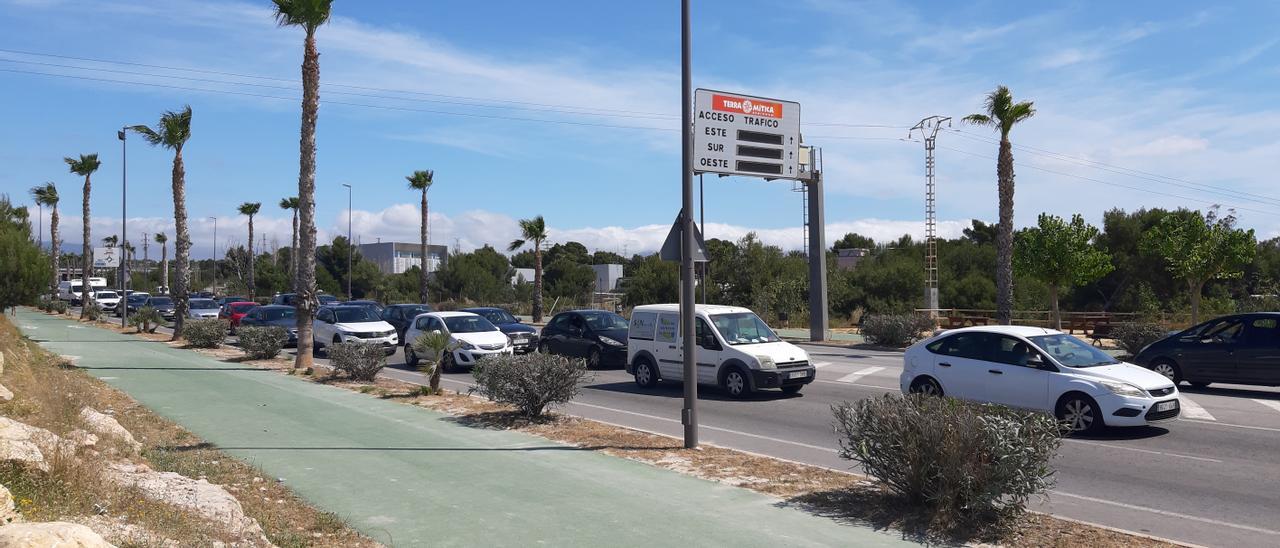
<point>667,327</point>
<point>643,325</point>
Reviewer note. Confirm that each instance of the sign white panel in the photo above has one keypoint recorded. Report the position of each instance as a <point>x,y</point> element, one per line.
<point>738,134</point>
<point>106,257</point>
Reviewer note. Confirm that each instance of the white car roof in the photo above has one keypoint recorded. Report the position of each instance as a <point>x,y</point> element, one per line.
<point>706,308</point>
<point>448,314</point>
<point>1016,330</point>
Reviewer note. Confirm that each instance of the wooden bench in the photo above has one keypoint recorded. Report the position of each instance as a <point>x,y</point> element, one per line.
<point>1100,331</point>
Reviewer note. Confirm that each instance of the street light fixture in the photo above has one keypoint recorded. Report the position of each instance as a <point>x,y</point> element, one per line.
<point>349,243</point>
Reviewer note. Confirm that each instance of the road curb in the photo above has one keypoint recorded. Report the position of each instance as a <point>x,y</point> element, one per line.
<point>1121,531</point>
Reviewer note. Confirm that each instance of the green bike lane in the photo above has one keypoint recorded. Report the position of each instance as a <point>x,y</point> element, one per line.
<point>409,476</point>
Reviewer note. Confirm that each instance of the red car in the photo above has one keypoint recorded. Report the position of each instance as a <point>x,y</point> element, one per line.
<point>234,311</point>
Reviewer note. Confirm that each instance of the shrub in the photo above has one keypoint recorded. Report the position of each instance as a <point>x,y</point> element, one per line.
<point>1133,337</point>
<point>93,312</point>
<point>429,345</point>
<point>895,330</point>
<point>967,463</point>
<point>531,382</point>
<point>206,333</point>
<point>360,361</point>
<point>146,319</point>
<point>59,307</point>
<point>262,343</point>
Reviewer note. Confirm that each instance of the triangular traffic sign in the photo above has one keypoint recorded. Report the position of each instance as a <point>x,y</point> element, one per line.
<point>671,247</point>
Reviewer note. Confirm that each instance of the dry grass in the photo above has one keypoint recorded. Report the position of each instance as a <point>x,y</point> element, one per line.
<point>50,394</point>
<point>839,495</point>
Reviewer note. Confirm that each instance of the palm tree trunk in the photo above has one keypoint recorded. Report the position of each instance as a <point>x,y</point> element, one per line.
<point>293,254</point>
<point>251,261</point>
<point>53,252</point>
<point>1004,235</point>
<point>164,265</point>
<point>537,281</point>
<point>422,276</point>
<point>307,199</point>
<point>1053,297</point>
<point>182,246</point>
<point>86,264</point>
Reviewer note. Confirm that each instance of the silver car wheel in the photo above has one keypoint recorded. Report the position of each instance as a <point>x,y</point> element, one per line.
<point>734,382</point>
<point>1166,370</point>
<point>1079,414</point>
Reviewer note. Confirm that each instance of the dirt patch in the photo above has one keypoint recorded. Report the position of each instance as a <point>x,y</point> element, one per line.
<point>76,487</point>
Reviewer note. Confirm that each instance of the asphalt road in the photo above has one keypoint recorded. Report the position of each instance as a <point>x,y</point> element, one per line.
<point>1211,477</point>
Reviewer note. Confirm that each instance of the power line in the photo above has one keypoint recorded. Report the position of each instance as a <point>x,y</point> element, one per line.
<point>1110,183</point>
<point>1137,174</point>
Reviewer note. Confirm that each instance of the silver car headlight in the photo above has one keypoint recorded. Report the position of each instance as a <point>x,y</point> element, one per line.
<point>766,362</point>
<point>1123,389</point>
<point>610,342</point>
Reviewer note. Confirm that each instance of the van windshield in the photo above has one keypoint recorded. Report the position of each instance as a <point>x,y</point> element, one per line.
<point>743,328</point>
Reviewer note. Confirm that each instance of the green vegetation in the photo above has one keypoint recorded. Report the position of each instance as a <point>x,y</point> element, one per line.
<point>23,271</point>
<point>171,133</point>
<point>262,343</point>
<point>250,209</point>
<point>1198,248</point>
<point>968,466</point>
<point>1061,255</point>
<point>205,333</point>
<point>533,232</point>
<point>421,180</point>
<point>83,166</point>
<point>530,382</point>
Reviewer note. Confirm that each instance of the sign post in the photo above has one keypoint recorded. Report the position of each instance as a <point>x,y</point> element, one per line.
<point>689,414</point>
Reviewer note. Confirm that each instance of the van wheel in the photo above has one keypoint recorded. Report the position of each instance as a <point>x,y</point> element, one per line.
<point>646,377</point>
<point>735,383</point>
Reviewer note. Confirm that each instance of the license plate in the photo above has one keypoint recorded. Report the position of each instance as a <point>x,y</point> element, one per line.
<point>797,374</point>
<point>1166,406</point>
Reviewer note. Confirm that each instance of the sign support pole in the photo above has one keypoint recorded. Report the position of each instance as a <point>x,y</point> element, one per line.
<point>817,259</point>
<point>689,414</point>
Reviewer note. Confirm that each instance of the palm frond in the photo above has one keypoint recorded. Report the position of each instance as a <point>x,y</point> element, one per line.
<point>249,208</point>
<point>148,134</point>
<point>421,179</point>
<point>45,195</point>
<point>289,203</point>
<point>85,165</point>
<point>308,14</point>
<point>161,238</point>
<point>978,120</point>
<point>515,244</point>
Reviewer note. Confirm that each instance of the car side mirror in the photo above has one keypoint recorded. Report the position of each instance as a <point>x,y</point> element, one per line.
<point>1036,361</point>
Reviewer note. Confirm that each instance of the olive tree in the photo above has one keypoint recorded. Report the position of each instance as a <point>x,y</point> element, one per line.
<point>1201,247</point>
<point>1061,255</point>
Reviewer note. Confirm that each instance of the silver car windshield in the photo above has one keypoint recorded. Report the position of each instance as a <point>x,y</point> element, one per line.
<point>1072,352</point>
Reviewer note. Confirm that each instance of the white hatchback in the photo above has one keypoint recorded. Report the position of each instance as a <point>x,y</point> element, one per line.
<point>1039,369</point>
<point>471,338</point>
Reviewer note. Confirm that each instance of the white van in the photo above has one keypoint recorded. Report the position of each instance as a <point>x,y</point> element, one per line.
<point>69,290</point>
<point>737,351</point>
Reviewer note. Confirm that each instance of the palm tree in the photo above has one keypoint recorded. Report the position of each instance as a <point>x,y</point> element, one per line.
<point>250,209</point>
<point>533,231</point>
<point>111,241</point>
<point>47,195</point>
<point>292,203</point>
<point>1002,113</point>
<point>421,180</point>
<point>164,258</point>
<point>172,133</point>
<point>84,166</point>
<point>308,14</point>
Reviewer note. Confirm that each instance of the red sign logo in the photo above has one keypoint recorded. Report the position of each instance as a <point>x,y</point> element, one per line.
<point>742,105</point>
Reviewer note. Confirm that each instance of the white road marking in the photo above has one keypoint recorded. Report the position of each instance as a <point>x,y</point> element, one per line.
<point>853,377</point>
<point>1245,426</point>
<point>1192,410</point>
<point>1147,451</point>
<point>820,365</point>
<point>1170,514</point>
<point>1270,403</point>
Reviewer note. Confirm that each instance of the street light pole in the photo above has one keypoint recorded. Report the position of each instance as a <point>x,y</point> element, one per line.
<point>124,220</point>
<point>215,255</point>
<point>689,414</point>
<point>349,243</point>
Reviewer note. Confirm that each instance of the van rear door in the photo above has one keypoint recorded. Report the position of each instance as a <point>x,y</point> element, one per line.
<point>666,348</point>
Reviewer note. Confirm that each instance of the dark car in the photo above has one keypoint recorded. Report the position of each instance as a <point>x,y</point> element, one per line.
<point>132,303</point>
<point>228,300</point>
<point>276,315</point>
<point>401,315</point>
<point>163,305</point>
<point>524,338</point>
<point>291,299</point>
<point>599,336</point>
<point>1239,349</point>
<point>373,306</point>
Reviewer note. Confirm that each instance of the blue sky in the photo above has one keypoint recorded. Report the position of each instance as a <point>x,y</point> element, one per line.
<point>1140,104</point>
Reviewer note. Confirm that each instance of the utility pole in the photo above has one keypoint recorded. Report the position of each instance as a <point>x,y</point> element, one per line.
<point>350,243</point>
<point>689,415</point>
<point>816,227</point>
<point>215,256</point>
<point>124,225</point>
<point>144,247</point>
<point>929,128</point>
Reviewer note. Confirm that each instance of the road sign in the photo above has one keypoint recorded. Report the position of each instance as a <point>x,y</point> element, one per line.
<point>736,134</point>
<point>106,257</point>
<point>671,247</point>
